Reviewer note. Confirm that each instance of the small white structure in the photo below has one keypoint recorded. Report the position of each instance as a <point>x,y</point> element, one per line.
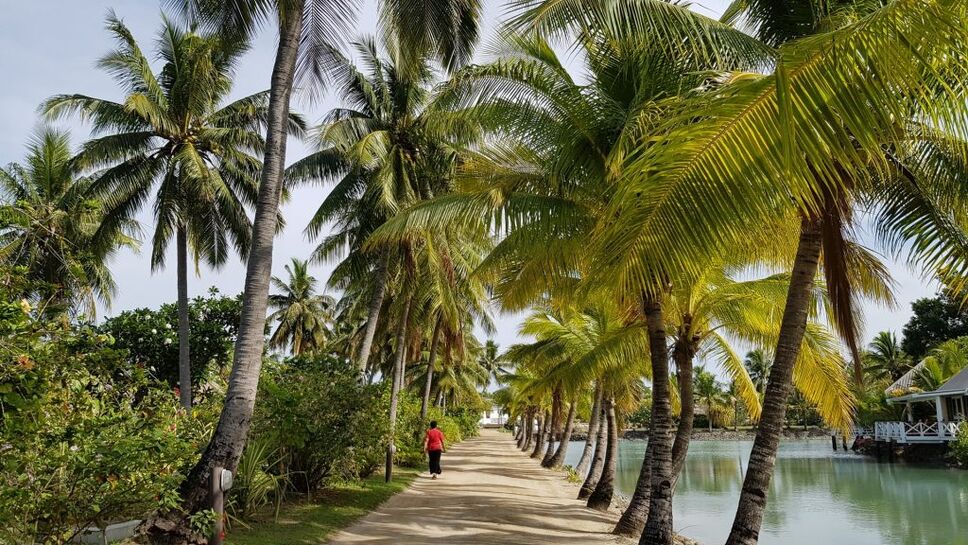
<point>950,403</point>
<point>493,418</point>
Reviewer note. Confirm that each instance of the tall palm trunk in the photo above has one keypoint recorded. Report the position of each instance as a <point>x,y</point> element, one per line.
<point>632,521</point>
<point>683,354</point>
<point>519,434</point>
<point>373,311</point>
<point>752,500</point>
<point>582,467</point>
<point>598,459</point>
<point>658,526</point>
<point>184,329</point>
<point>398,369</point>
<point>601,497</point>
<point>558,458</point>
<point>225,447</point>
<point>539,443</point>
<point>529,431</point>
<point>431,361</point>
<point>553,429</point>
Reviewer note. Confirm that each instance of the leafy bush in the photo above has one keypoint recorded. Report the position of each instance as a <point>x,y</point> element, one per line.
<point>86,438</point>
<point>323,421</point>
<point>959,447</point>
<point>150,337</point>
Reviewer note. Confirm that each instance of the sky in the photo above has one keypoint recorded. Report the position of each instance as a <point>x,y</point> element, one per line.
<point>50,47</point>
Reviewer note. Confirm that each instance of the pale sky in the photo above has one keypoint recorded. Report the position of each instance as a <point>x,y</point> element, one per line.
<point>49,47</point>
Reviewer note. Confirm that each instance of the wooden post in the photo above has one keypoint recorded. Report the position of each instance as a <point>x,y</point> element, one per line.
<point>890,452</point>
<point>843,441</point>
<point>833,441</point>
<point>218,505</point>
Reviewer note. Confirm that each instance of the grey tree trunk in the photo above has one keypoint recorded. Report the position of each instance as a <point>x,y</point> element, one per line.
<point>658,526</point>
<point>632,521</point>
<point>373,311</point>
<point>553,428</point>
<point>431,361</point>
<point>529,431</point>
<point>225,447</point>
<point>539,443</point>
<point>601,497</point>
<point>184,328</point>
<point>598,459</point>
<point>582,467</point>
<point>519,434</point>
<point>558,458</point>
<point>398,369</point>
<point>752,500</point>
<point>683,354</point>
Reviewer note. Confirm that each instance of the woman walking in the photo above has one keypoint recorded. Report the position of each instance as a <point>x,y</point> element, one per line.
<point>434,446</point>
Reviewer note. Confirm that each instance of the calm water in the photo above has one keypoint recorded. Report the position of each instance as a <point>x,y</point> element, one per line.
<point>818,497</point>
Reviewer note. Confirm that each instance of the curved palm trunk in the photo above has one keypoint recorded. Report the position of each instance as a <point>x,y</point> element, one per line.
<point>558,458</point>
<point>184,329</point>
<point>632,521</point>
<point>683,354</point>
<point>431,361</point>
<point>398,369</point>
<point>529,431</point>
<point>598,459</point>
<point>601,497</point>
<point>752,500</point>
<point>658,525</point>
<point>582,467</point>
<point>373,312</point>
<point>553,428</point>
<point>539,443</point>
<point>225,447</point>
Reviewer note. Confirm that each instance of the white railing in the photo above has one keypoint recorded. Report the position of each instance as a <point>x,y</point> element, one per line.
<point>915,432</point>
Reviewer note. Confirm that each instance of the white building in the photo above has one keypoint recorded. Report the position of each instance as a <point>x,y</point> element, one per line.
<point>950,408</point>
<point>493,418</point>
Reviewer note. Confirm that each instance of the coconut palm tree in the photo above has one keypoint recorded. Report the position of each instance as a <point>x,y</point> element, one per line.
<point>306,28</point>
<point>884,359</point>
<point>303,315</point>
<point>53,227</point>
<point>708,392</point>
<point>943,362</point>
<point>174,136</point>
<point>757,364</point>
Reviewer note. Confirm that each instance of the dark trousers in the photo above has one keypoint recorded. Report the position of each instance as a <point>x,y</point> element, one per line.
<point>434,461</point>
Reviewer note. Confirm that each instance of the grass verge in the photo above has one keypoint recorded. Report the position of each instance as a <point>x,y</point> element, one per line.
<point>302,523</point>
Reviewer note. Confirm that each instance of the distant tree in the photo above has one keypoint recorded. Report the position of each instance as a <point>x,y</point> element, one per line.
<point>758,366</point>
<point>884,359</point>
<point>302,315</point>
<point>935,320</point>
<point>708,392</point>
<point>943,362</point>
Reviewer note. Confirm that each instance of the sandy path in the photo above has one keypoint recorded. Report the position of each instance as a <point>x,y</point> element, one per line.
<point>490,493</point>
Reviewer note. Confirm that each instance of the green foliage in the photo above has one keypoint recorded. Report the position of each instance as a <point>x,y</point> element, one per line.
<point>959,447</point>
<point>935,320</point>
<point>87,439</point>
<point>642,416</point>
<point>150,337</point>
<point>255,485</point>
<point>323,421</point>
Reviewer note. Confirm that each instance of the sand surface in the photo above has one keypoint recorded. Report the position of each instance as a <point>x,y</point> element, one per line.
<point>490,492</point>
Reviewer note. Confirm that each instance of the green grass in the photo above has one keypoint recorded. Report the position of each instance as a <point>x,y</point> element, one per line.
<point>330,510</point>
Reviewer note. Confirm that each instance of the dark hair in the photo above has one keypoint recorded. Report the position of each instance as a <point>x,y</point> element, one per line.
<point>433,424</point>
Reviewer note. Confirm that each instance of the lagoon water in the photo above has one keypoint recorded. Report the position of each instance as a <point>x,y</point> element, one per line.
<point>818,497</point>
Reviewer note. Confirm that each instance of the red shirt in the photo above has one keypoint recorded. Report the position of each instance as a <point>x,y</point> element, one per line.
<point>435,439</point>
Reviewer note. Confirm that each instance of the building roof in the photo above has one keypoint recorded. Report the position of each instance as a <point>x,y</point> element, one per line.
<point>906,380</point>
<point>957,384</point>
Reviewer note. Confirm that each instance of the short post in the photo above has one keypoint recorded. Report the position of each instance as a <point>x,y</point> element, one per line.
<point>833,441</point>
<point>844,443</point>
<point>221,483</point>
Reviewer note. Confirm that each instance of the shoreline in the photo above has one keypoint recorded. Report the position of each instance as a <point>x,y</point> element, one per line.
<point>638,434</point>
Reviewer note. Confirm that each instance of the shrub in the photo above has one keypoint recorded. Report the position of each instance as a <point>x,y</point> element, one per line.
<point>86,439</point>
<point>324,422</point>
<point>959,447</point>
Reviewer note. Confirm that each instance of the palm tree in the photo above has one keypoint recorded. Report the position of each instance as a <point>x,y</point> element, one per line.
<point>303,315</point>
<point>757,364</point>
<point>884,359</point>
<point>53,227</point>
<point>171,136</point>
<point>943,362</point>
<point>492,361</point>
<point>708,392</point>
<point>306,28</point>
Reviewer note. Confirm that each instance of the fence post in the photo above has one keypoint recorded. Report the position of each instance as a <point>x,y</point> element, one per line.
<point>220,483</point>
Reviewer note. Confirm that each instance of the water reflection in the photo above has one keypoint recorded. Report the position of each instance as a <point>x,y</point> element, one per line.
<point>817,497</point>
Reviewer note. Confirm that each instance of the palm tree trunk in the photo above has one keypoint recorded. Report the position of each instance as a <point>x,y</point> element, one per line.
<point>658,526</point>
<point>519,434</point>
<point>542,435</point>
<point>184,329</point>
<point>431,361</point>
<point>529,431</point>
<point>683,353</point>
<point>373,312</point>
<point>633,518</point>
<point>552,430</point>
<point>225,447</point>
<point>601,497</point>
<point>398,369</point>
<point>752,500</point>
<point>558,458</point>
<point>598,459</point>
<point>582,467</point>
